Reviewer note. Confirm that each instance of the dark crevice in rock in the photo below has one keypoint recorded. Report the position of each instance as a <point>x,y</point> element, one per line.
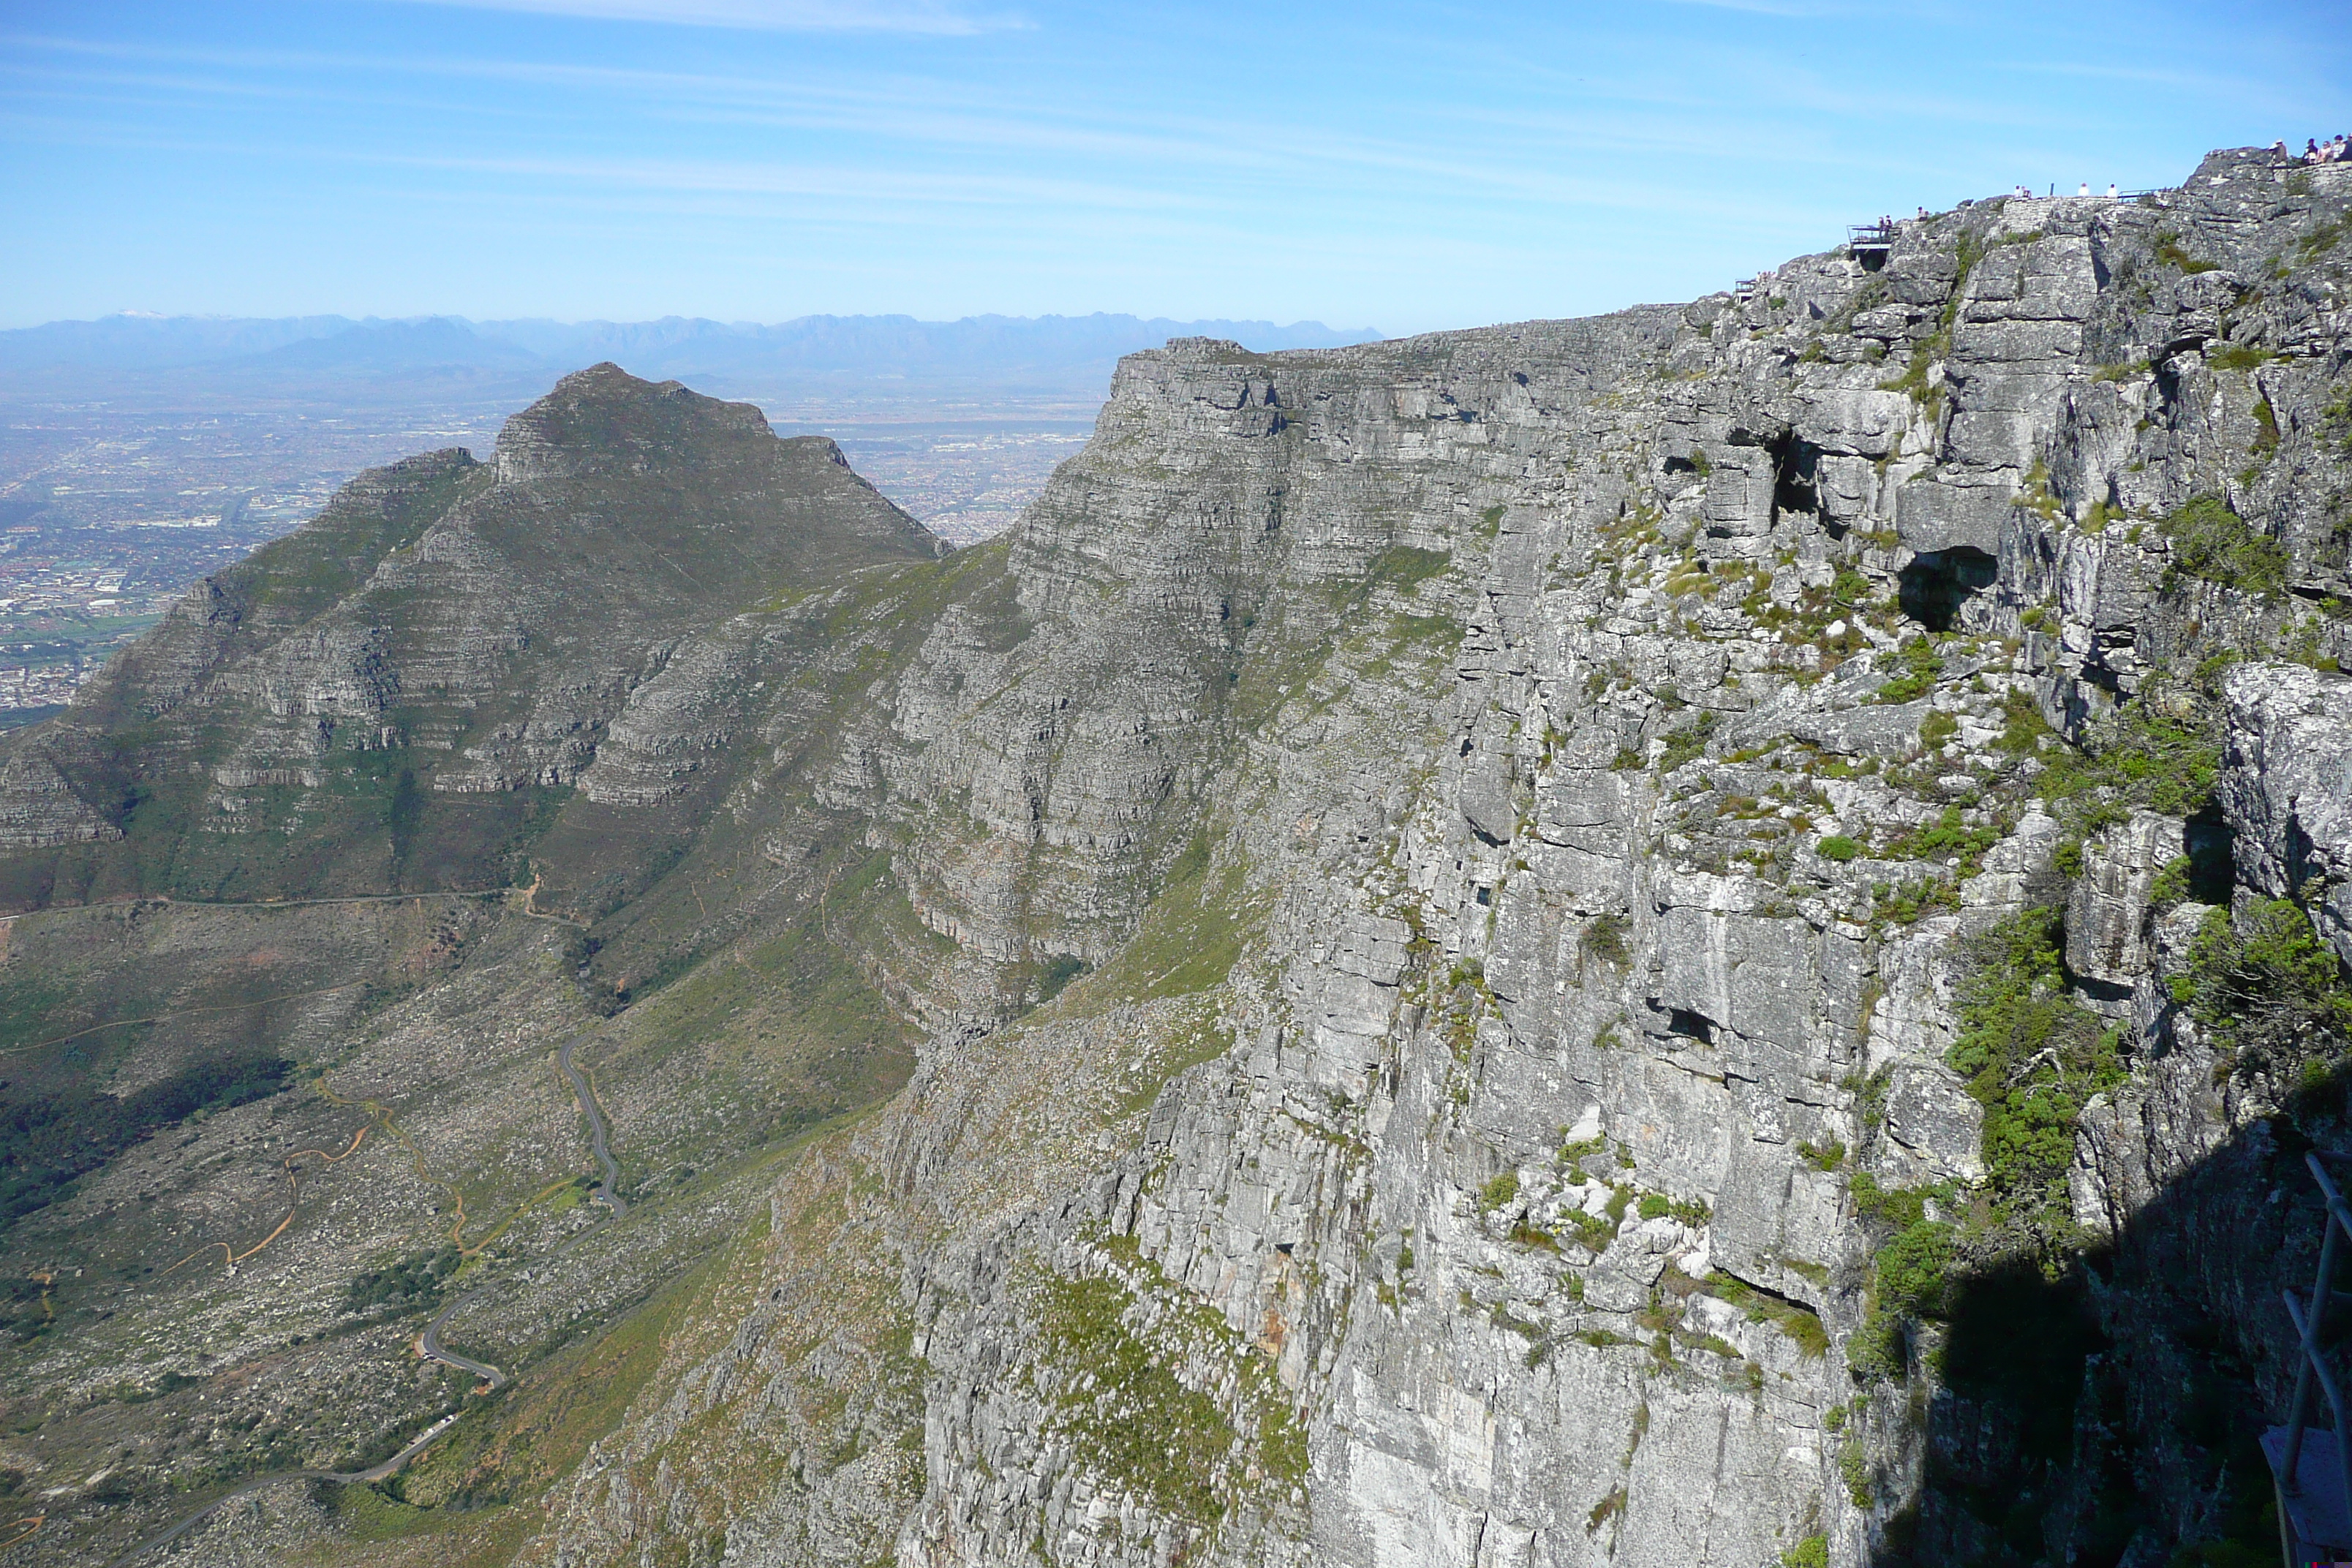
<point>1690,1026</point>
<point>2212,856</point>
<point>1935,586</point>
<point>2100,990</point>
<point>1795,468</point>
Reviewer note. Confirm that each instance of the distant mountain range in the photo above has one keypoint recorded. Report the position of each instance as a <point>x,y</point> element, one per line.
<point>1054,351</point>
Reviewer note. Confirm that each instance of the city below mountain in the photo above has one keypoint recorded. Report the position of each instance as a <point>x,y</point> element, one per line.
<point>1713,935</point>
<point>138,453</point>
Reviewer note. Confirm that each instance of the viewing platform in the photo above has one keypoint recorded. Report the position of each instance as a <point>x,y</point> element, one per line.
<point>1869,242</point>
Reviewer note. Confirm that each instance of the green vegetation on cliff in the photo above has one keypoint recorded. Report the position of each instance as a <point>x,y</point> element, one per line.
<point>2032,1056</point>
<point>2273,994</point>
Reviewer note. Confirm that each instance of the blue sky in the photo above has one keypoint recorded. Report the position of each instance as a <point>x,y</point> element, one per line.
<point>1401,166</point>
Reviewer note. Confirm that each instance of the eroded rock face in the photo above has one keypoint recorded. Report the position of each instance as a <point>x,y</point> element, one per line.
<point>1371,1190</point>
<point>1485,675</point>
<point>2109,911</point>
<point>478,629</point>
<point>2289,789</point>
<point>1446,882</point>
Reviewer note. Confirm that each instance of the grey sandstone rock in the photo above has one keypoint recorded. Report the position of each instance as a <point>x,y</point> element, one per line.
<point>1402,1040</point>
<point>2287,786</point>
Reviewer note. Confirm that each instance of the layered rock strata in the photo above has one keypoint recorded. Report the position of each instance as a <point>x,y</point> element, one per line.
<point>1459,892</point>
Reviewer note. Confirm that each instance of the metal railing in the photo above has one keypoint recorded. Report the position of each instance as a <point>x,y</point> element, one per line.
<point>2315,1506</point>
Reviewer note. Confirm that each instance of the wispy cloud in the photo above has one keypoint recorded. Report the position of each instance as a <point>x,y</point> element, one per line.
<point>887,153</point>
<point>958,123</point>
<point>931,16</point>
<point>1789,9</point>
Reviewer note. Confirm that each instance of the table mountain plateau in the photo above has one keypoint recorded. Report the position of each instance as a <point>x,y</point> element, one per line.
<point>1707,935</point>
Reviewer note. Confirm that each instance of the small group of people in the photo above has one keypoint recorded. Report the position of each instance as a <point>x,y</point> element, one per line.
<point>1889,223</point>
<point>2331,152</point>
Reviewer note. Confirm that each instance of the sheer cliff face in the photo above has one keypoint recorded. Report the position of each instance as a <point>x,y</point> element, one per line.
<point>1459,892</point>
<point>1540,722</point>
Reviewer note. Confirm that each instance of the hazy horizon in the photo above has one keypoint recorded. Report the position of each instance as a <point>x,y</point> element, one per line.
<point>765,161</point>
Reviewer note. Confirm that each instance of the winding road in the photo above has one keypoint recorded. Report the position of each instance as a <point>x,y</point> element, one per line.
<point>429,1346</point>
<point>341,1478</point>
<point>608,1191</point>
<point>428,1343</point>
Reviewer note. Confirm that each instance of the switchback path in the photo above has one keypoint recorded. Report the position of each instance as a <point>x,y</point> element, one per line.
<point>230,1256</point>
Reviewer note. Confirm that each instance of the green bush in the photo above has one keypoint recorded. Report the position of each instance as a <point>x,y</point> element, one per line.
<point>2168,250</point>
<point>1499,1192</point>
<point>1839,846</point>
<point>2032,1057</point>
<point>416,1280</point>
<point>1826,1156</point>
<point>2273,994</point>
<point>1910,1272</point>
<point>1949,834</point>
<point>1604,939</point>
<point>2165,764</point>
<point>2212,543</point>
<point>1855,1471</point>
<point>1912,382</point>
<point>1922,668</point>
<point>2022,726</point>
<point>1909,903</point>
<point>1657,1205</point>
<point>1913,1269</point>
<point>1687,742</point>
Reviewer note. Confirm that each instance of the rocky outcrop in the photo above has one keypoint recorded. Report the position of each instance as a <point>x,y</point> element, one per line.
<point>1528,940</point>
<point>1604,760</point>
<point>40,807</point>
<point>2288,790</point>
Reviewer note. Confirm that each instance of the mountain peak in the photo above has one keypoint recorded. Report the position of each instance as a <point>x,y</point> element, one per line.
<point>604,419</point>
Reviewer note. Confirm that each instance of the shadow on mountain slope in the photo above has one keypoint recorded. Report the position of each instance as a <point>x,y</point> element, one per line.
<point>2111,1415</point>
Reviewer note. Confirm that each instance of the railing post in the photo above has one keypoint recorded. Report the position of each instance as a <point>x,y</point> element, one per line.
<point>2299,1413</point>
<point>2307,1331</point>
<point>2339,1224</point>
